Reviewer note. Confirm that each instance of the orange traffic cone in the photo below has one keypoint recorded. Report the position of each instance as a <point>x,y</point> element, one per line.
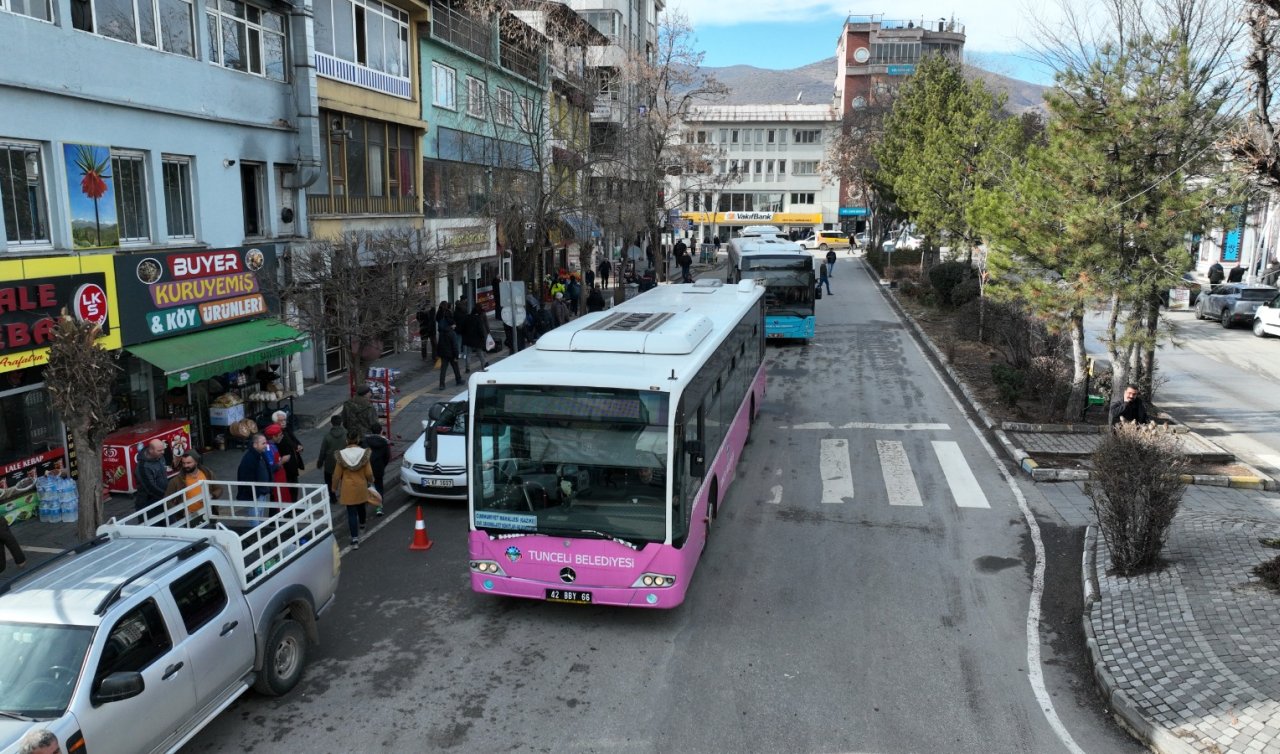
<point>420,539</point>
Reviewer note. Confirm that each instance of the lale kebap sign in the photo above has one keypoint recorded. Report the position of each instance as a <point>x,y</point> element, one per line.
<point>177,292</point>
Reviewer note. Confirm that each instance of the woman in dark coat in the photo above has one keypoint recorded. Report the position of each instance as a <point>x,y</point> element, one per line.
<point>475,329</point>
<point>446,345</point>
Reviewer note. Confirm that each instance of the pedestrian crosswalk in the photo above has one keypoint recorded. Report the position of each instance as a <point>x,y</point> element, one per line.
<point>867,471</point>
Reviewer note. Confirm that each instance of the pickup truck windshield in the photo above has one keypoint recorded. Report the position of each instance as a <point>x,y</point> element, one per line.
<point>40,668</point>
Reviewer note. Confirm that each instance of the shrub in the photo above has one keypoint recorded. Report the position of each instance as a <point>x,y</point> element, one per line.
<point>1269,572</point>
<point>1136,491</point>
<point>909,288</point>
<point>1008,382</point>
<point>946,276</point>
<point>965,291</point>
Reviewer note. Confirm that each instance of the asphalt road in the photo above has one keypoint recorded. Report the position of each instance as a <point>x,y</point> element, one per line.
<point>867,589</point>
<point>1224,384</point>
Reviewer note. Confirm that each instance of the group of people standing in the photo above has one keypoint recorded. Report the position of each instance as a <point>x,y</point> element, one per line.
<point>455,331</point>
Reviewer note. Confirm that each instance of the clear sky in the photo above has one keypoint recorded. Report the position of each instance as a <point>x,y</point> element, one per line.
<point>783,34</point>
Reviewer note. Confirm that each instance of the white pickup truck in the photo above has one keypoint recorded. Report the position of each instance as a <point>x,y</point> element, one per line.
<point>136,640</point>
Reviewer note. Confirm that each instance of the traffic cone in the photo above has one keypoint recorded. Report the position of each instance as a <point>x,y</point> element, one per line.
<point>420,539</point>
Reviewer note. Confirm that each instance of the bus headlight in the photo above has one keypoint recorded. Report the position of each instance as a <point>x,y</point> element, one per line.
<point>487,566</point>
<point>654,579</point>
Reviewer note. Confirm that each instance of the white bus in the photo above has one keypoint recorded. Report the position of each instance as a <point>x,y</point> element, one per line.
<point>600,456</point>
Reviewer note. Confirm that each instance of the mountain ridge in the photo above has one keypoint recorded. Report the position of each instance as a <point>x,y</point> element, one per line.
<point>814,84</point>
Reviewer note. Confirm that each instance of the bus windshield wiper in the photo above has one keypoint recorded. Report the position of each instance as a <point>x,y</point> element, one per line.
<point>600,534</point>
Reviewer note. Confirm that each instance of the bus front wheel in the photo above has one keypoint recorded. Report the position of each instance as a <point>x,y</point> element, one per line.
<point>711,508</point>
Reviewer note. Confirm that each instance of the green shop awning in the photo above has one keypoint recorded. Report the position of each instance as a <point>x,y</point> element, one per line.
<point>186,359</point>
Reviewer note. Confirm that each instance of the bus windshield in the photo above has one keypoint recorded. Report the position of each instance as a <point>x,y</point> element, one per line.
<point>571,460</point>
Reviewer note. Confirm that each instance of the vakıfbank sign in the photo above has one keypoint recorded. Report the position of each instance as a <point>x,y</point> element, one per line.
<point>39,289</point>
<point>746,218</point>
<point>175,292</point>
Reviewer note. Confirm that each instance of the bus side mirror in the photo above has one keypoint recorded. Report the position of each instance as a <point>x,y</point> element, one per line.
<point>697,462</point>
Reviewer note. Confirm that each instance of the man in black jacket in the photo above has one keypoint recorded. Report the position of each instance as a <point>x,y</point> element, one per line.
<point>152,473</point>
<point>427,329</point>
<point>379,456</point>
<point>1130,409</point>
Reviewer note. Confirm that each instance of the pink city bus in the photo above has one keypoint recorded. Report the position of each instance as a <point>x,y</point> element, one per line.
<point>599,457</point>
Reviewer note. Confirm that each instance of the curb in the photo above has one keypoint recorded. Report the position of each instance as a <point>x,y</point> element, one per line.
<point>1256,480</point>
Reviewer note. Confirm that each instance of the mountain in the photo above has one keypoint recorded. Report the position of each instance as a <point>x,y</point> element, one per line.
<point>815,85</point>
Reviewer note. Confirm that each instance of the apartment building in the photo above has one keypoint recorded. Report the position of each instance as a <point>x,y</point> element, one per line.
<point>768,169</point>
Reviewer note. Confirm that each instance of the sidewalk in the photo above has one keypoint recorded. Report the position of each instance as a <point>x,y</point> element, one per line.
<point>1188,657</point>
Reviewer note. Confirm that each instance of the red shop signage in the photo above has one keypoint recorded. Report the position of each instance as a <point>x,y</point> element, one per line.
<point>29,308</point>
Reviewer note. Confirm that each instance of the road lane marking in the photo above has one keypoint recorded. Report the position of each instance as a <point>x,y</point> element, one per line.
<point>960,478</point>
<point>895,467</point>
<point>871,425</point>
<point>1035,668</point>
<point>776,489</point>
<point>837,476</point>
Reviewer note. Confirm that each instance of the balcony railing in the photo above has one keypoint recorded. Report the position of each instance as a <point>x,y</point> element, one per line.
<point>361,205</point>
<point>352,73</point>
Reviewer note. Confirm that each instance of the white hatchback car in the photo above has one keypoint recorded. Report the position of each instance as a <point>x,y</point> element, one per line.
<point>1266,319</point>
<point>435,465</point>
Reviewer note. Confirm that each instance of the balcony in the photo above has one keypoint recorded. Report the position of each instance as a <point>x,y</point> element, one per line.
<point>338,69</point>
<point>361,205</point>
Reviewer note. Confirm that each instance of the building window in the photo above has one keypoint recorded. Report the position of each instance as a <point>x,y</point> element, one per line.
<point>248,39</point>
<point>41,9</point>
<point>475,97</point>
<point>802,198</point>
<point>759,167</point>
<point>528,118</point>
<point>700,137</point>
<point>805,167</point>
<point>163,24</point>
<point>807,136</point>
<point>178,206</point>
<point>759,135</point>
<point>768,167</point>
<point>251,197</point>
<point>771,136</point>
<point>444,85</point>
<point>22,193</point>
<point>506,107</point>
<point>129,178</point>
<point>366,159</point>
<point>782,167</point>
<point>733,136</point>
<point>371,34</point>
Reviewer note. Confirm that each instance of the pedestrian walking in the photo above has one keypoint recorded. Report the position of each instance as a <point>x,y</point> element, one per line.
<point>824,278</point>
<point>379,457</point>
<point>290,447</point>
<point>1131,409</point>
<point>334,441</point>
<point>831,262</point>
<point>427,329</point>
<point>685,262</point>
<point>475,337</point>
<point>358,414</point>
<point>190,474</point>
<point>1236,274</point>
<point>255,470</point>
<point>573,292</point>
<point>604,269</point>
<point>277,459</point>
<point>352,479</point>
<point>152,473</point>
<point>590,278</point>
<point>595,300</point>
<point>10,544</point>
<point>715,243</point>
<point>1216,273</point>
<point>559,312</point>
<point>447,349</point>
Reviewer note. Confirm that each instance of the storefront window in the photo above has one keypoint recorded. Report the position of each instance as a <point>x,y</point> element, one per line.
<point>28,424</point>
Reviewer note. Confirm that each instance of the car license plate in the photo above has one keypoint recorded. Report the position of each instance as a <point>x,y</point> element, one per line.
<point>571,596</point>
<point>437,482</point>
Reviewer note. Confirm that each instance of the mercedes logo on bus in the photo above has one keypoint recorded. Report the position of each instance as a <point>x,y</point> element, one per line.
<point>567,575</point>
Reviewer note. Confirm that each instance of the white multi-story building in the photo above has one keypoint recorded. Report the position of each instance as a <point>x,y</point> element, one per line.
<point>768,169</point>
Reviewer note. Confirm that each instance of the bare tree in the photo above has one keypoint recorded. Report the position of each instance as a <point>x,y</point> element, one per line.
<point>361,288</point>
<point>1256,145</point>
<point>850,160</point>
<point>79,377</point>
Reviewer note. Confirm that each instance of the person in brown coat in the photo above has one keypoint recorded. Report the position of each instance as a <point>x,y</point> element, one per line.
<point>190,473</point>
<point>352,478</point>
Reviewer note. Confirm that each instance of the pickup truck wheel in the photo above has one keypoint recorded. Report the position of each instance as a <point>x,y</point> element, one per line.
<point>1225,319</point>
<point>286,657</point>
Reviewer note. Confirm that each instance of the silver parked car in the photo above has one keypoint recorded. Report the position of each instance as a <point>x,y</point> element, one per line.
<point>1230,303</point>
